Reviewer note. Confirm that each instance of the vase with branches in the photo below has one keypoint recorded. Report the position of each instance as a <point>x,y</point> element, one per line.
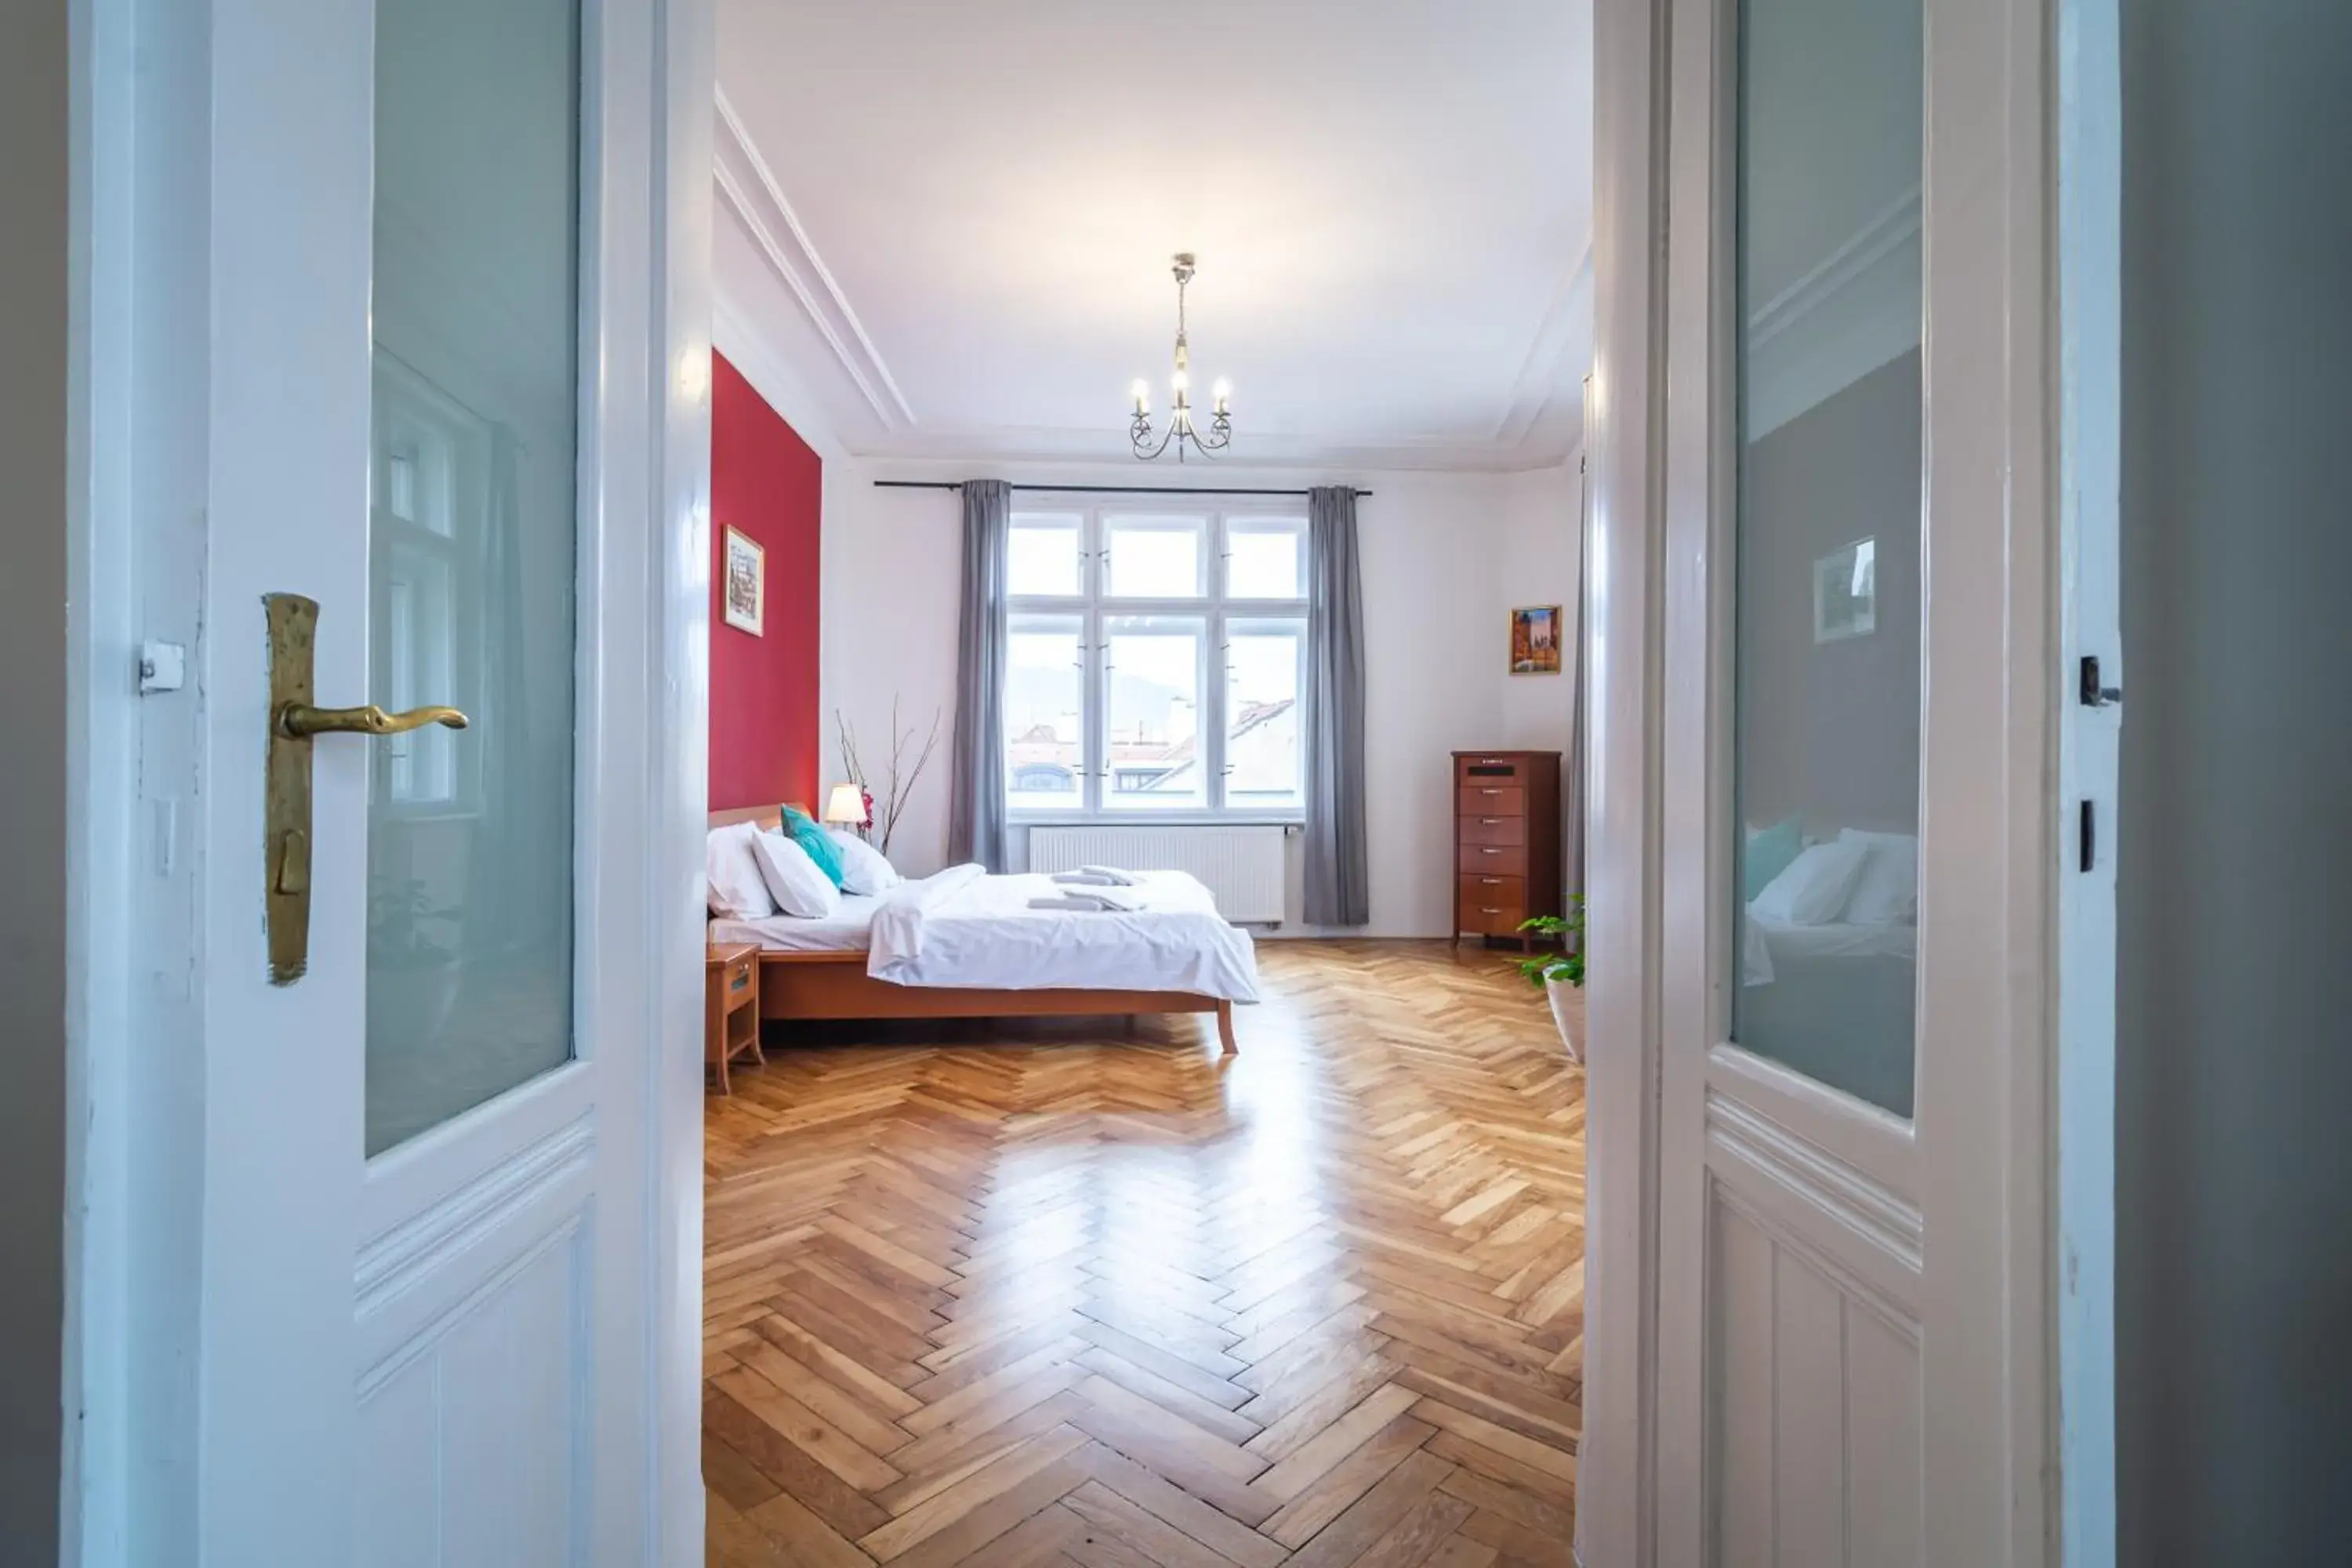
<point>886,807</point>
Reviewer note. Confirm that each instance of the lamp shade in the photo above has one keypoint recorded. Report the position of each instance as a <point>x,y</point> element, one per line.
<point>846,805</point>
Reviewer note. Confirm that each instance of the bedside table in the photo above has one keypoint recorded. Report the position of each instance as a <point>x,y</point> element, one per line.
<point>731,1005</point>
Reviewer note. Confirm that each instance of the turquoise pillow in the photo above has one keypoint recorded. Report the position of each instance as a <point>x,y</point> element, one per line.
<point>1771,851</point>
<point>802,829</point>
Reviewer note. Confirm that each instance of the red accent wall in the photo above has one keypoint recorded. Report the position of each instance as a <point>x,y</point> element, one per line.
<point>764,483</point>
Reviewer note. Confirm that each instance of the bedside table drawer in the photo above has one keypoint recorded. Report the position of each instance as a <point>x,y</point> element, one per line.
<point>735,979</point>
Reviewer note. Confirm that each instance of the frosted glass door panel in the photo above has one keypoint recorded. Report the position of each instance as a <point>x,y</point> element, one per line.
<point>471,550</point>
<point>1828,529</point>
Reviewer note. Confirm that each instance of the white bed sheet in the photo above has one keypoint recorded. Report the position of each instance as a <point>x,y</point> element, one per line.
<point>847,929</point>
<point>965,928</point>
<point>843,931</point>
<point>1767,945</point>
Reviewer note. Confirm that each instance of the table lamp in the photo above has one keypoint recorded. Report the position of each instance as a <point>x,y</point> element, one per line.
<point>846,806</point>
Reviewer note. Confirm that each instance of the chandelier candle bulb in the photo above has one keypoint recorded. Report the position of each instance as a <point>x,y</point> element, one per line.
<point>1181,432</point>
<point>1142,394</point>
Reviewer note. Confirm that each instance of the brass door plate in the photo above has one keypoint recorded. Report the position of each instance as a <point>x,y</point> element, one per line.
<point>285,807</point>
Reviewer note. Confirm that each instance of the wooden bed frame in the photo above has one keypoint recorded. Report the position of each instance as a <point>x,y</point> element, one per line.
<point>835,985</point>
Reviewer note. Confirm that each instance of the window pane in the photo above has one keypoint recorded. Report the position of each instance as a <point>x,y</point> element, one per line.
<point>1154,558</point>
<point>471,552</point>
<point>1151,674</point>
<point>1044,685</point>
<point>1044,558</point>
<point>1265,561</point>
<point>1262,669</point>
<point>1828,694</point>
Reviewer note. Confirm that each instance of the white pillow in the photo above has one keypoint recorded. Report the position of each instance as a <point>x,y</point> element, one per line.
<point>1887,892</point>
<point>863,868</point>
<point>737,891</point>
<point>800,887</point>
<point>1814,887</point>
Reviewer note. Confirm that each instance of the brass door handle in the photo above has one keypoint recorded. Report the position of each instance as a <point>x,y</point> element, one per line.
<point>300,719</point>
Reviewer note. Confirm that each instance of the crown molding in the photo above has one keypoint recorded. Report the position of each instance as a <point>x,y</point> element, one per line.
<point>1265,449</point>
<point>1539,384</point>
<point>1887,230</point>
<point>747,186</point>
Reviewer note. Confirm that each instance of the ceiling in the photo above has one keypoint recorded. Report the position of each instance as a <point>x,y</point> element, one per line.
<point>954,222</point>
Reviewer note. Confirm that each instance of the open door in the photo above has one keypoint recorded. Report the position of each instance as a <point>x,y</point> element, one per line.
<point>1855,835</point>
<point>415,1255</point>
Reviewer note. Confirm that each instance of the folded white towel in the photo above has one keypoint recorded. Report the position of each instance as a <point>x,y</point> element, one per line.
<point>1085,880</point>
<point>1112,875</point>
<point>1095,901</point>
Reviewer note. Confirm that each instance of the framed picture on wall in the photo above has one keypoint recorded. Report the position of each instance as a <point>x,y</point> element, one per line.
<point>746,568</point>
<point>1535,640</point>
<point>1846,591</point>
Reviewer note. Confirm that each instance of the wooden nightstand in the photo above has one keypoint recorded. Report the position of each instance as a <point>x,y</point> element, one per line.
<point>731,1005</point>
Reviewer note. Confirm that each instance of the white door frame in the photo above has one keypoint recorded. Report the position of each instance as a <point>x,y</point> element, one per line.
<point>137,540</point>
<point>1984,1149</point>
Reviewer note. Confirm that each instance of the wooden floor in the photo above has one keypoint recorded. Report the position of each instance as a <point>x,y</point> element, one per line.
<point>1055,1294</point>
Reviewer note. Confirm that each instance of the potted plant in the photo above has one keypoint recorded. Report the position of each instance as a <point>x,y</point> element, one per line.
<point>1558,972</point>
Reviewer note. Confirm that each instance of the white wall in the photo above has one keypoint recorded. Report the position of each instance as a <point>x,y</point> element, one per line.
<point>1445,558</point>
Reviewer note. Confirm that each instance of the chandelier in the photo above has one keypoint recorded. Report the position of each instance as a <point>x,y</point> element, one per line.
<point>1181,432</point>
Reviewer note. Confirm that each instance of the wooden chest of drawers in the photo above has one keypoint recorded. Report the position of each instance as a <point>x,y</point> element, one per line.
<point>1507,851</point>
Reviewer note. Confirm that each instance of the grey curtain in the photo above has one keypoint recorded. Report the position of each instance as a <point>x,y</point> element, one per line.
<point>976,814</point>
<point>1338,877</point>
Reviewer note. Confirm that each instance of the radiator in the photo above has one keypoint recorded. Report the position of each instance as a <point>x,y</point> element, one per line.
<point>1241,865</point>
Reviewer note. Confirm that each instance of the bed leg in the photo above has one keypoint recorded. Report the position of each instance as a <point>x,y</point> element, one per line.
<point>1225,1028</point>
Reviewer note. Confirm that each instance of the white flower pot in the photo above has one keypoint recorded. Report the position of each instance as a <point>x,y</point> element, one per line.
<point>1560,991</point>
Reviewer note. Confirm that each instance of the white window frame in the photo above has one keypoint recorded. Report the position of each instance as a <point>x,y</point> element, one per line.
<point>1218,613</point>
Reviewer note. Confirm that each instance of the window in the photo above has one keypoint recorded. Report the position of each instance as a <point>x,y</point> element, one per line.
<point>1155,664</point>
<point>432,484</point>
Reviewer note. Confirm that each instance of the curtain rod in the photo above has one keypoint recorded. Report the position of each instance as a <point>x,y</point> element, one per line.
<point>1091,490</point>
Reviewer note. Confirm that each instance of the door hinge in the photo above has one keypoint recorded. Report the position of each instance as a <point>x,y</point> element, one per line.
<point>2094,695</point>
<point>2086,841</point>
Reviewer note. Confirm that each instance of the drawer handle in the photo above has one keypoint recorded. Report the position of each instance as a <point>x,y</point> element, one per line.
<point>1492,881</point>
<point>1490,911</point>
<point>1488,821</point>
<point>1490,792</point>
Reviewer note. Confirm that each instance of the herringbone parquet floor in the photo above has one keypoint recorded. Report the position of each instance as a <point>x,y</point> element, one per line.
<point>1052,1293</point>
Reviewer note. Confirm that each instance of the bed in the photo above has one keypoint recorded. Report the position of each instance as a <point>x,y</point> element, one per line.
<point>963,944</point>
<point>1835,1002</point>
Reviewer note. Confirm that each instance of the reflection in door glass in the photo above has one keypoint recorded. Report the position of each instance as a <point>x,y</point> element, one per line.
<point>1827,724</point>
<point>471,548</point>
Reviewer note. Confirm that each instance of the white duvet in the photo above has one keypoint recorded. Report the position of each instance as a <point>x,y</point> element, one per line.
<point>964,927</point>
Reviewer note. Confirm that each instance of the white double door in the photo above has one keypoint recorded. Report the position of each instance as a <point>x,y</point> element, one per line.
<point>427,286</point>
<point>1857,837</point>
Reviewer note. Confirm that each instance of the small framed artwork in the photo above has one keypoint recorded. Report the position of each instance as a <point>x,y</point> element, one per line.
<point>1535,640</point>
<point>1846,591</point>
<point>746,583</point>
